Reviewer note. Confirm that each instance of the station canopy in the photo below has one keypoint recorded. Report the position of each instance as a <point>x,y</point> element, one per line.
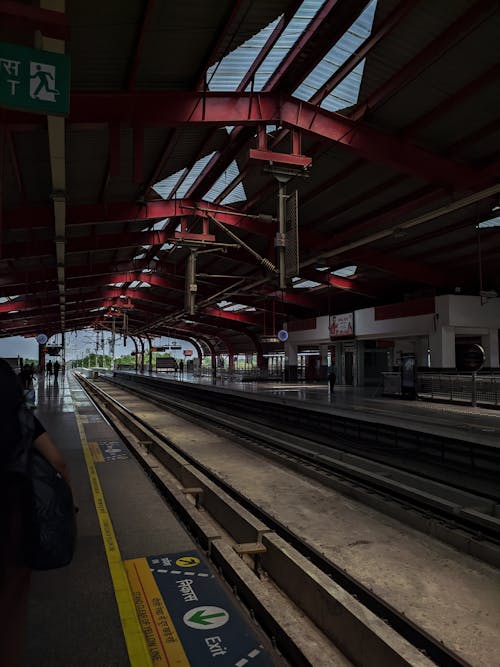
<point>152,203</point>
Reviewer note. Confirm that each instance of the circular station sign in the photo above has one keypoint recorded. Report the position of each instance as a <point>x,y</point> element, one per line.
<point>470,357</point>
<point>283,335</point>
<point>41,339</point>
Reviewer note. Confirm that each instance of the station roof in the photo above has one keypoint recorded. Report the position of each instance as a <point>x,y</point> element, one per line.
<point>183,119</point>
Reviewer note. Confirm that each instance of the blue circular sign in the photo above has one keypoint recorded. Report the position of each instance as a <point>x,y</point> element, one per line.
<point>283,335</point>
<point>41,339</point>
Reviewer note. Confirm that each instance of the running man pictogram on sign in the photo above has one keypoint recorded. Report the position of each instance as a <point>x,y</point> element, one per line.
<point>42,82</point>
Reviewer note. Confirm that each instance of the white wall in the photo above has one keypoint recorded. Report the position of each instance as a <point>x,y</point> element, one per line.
<point>467,311</point>
<point>455,315</point>
<point>366,326</point>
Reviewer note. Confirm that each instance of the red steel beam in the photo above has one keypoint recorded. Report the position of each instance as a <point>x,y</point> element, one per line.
<point>169,108</point>
<point>227,315</point>
<point>32,217</point>
<point>17,16</point>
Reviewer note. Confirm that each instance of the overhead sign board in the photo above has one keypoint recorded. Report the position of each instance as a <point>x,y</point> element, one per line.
<point>342,326</point>
<point>34,80</point>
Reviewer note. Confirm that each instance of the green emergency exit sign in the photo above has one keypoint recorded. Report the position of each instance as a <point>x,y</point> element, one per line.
<point>34,80</point>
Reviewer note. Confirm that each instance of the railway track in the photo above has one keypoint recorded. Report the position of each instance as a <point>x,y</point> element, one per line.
<point>206,488</point>
<point>449,511</point>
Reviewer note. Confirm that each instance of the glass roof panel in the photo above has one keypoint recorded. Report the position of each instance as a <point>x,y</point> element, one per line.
<point>345,272</point>
<point>494,222</point>
<point>305,284</point>
<point>228,73</point>
<point>159,225</point>
<point>287,40</point>
<point>236,194</point>
<point>346,93</point>
<point>164,188</point>
<point>198,167</point>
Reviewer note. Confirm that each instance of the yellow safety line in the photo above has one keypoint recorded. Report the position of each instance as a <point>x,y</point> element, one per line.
<point>159,629</point>
<point>134,638</point>
<point>95,450</point>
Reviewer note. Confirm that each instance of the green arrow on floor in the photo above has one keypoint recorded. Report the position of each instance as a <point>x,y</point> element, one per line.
<point>198,617</point>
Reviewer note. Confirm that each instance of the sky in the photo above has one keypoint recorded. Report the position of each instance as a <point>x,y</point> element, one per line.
<point>79,344</point>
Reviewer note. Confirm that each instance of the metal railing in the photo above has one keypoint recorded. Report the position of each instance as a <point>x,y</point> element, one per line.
<point>459,388</point>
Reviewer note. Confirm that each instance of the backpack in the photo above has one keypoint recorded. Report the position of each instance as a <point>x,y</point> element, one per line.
<point>51,526</point>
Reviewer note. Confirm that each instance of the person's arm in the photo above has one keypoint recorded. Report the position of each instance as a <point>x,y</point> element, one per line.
<point>45,445</point>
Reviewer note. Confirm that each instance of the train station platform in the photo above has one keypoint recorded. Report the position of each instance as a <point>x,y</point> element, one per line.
<point>474,424</point>
<point>139,591</point>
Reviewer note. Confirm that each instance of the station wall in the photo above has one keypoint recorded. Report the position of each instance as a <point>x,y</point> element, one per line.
<point>427,327</point>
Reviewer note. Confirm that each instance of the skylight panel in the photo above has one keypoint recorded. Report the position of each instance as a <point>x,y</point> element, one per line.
<point>347,92</point>
<point>190,179</point>
<point>223,304</point>
<point>228,73</point>
<point>236,194</point>
<point>141,256</point>
<point>164,188</point>
<point>494,222</point>
<point>134,284</point>
<point>287,40</point>
<point>158,226</point>
<point>144,285</point>
<point>345,272</point>
<point>165,246</point>
<point>235,307</point>
<point>305,284</point>
<point>4,299</point>
<point>116,284</point>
